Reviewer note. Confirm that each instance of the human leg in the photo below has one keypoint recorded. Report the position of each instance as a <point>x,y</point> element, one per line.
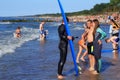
<point>63,55</point>
<point>91,56</point>
<point>79,53</point>
<point>84,54</point>
<point>115,47</point>
<point>91,62</point>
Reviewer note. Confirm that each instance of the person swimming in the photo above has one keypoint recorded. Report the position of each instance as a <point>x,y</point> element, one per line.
<point>18,32</point>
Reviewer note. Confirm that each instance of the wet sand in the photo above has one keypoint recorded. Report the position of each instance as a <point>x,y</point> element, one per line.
<point>110,71</point>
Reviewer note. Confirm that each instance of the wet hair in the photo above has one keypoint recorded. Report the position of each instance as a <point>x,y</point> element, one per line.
<point>66,19</point>
<point>18,27</point>
<point>88,21</point>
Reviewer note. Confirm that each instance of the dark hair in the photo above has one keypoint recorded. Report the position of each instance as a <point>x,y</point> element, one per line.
<point>66,19</point>
<point>18,27</point>
<point>96,22</point>
<point>106,39</point>
<point>89,21</point>
<point>96,25</point>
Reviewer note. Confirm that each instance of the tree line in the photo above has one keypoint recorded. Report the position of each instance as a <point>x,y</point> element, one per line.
<point>113,6</point>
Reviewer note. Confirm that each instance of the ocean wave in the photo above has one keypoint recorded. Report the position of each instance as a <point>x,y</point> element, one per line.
<point>5,23</point>
<point>78,28</point>
<point>8,43</point>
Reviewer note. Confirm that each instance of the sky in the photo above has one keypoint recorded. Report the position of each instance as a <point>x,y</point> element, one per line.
<point>33,7</point>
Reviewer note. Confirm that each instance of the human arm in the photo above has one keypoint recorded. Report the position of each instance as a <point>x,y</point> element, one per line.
<point>62,33</point>
<point>110,29</point>
<point>103,34</point>
<point>40,27</point>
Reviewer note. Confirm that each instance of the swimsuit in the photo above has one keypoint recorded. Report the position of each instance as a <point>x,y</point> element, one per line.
<point>117,39</point>
<point>41,31</point>
<point>90,48</point>
<point>81,42</point>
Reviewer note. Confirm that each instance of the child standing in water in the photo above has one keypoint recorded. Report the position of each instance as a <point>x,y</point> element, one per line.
<point>90,39</point>
<point>42,32</point>
<point>82,42</point>
<point>99,35</point>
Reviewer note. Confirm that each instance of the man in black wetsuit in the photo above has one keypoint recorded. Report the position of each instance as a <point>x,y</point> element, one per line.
<point>63,44</point>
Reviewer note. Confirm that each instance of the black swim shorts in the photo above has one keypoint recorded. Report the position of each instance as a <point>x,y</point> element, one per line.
<point>90,48</point>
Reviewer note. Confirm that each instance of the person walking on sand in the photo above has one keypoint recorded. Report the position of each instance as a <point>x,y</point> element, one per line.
<point>63,44</point>
<point>41,28</point>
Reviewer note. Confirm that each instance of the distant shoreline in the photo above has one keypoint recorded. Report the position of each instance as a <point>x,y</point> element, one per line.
<point>82,18</point>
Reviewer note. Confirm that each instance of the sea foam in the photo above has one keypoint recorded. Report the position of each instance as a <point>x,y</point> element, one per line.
<point>8,43</point>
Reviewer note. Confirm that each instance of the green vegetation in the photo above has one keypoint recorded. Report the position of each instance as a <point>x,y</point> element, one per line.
<point>26,20</point>
<point>14,21</point>
<point>113,6</point>
<point>52,15</point>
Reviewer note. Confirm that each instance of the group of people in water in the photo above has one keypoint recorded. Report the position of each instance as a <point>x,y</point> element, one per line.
<point>42,32</point>
<point>91,42</point>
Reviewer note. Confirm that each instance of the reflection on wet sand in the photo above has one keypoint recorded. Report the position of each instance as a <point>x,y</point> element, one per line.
<point>87,75</point>
<point>116,55</point>
<point>42,42</point>
<point>109,66</point>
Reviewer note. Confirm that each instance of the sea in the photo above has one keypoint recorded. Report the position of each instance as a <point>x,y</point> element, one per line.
<point>29,58</point>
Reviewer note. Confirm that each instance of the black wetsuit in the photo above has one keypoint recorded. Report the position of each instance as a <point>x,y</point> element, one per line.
<point>63,44</point>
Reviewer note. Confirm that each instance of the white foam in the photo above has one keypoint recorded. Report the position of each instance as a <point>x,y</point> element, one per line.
<point>5,23</point>
<point>8,43</point>
<point>78,28</point>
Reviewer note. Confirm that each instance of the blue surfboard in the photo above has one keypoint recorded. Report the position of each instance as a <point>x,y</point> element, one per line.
<point>70,41</point>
